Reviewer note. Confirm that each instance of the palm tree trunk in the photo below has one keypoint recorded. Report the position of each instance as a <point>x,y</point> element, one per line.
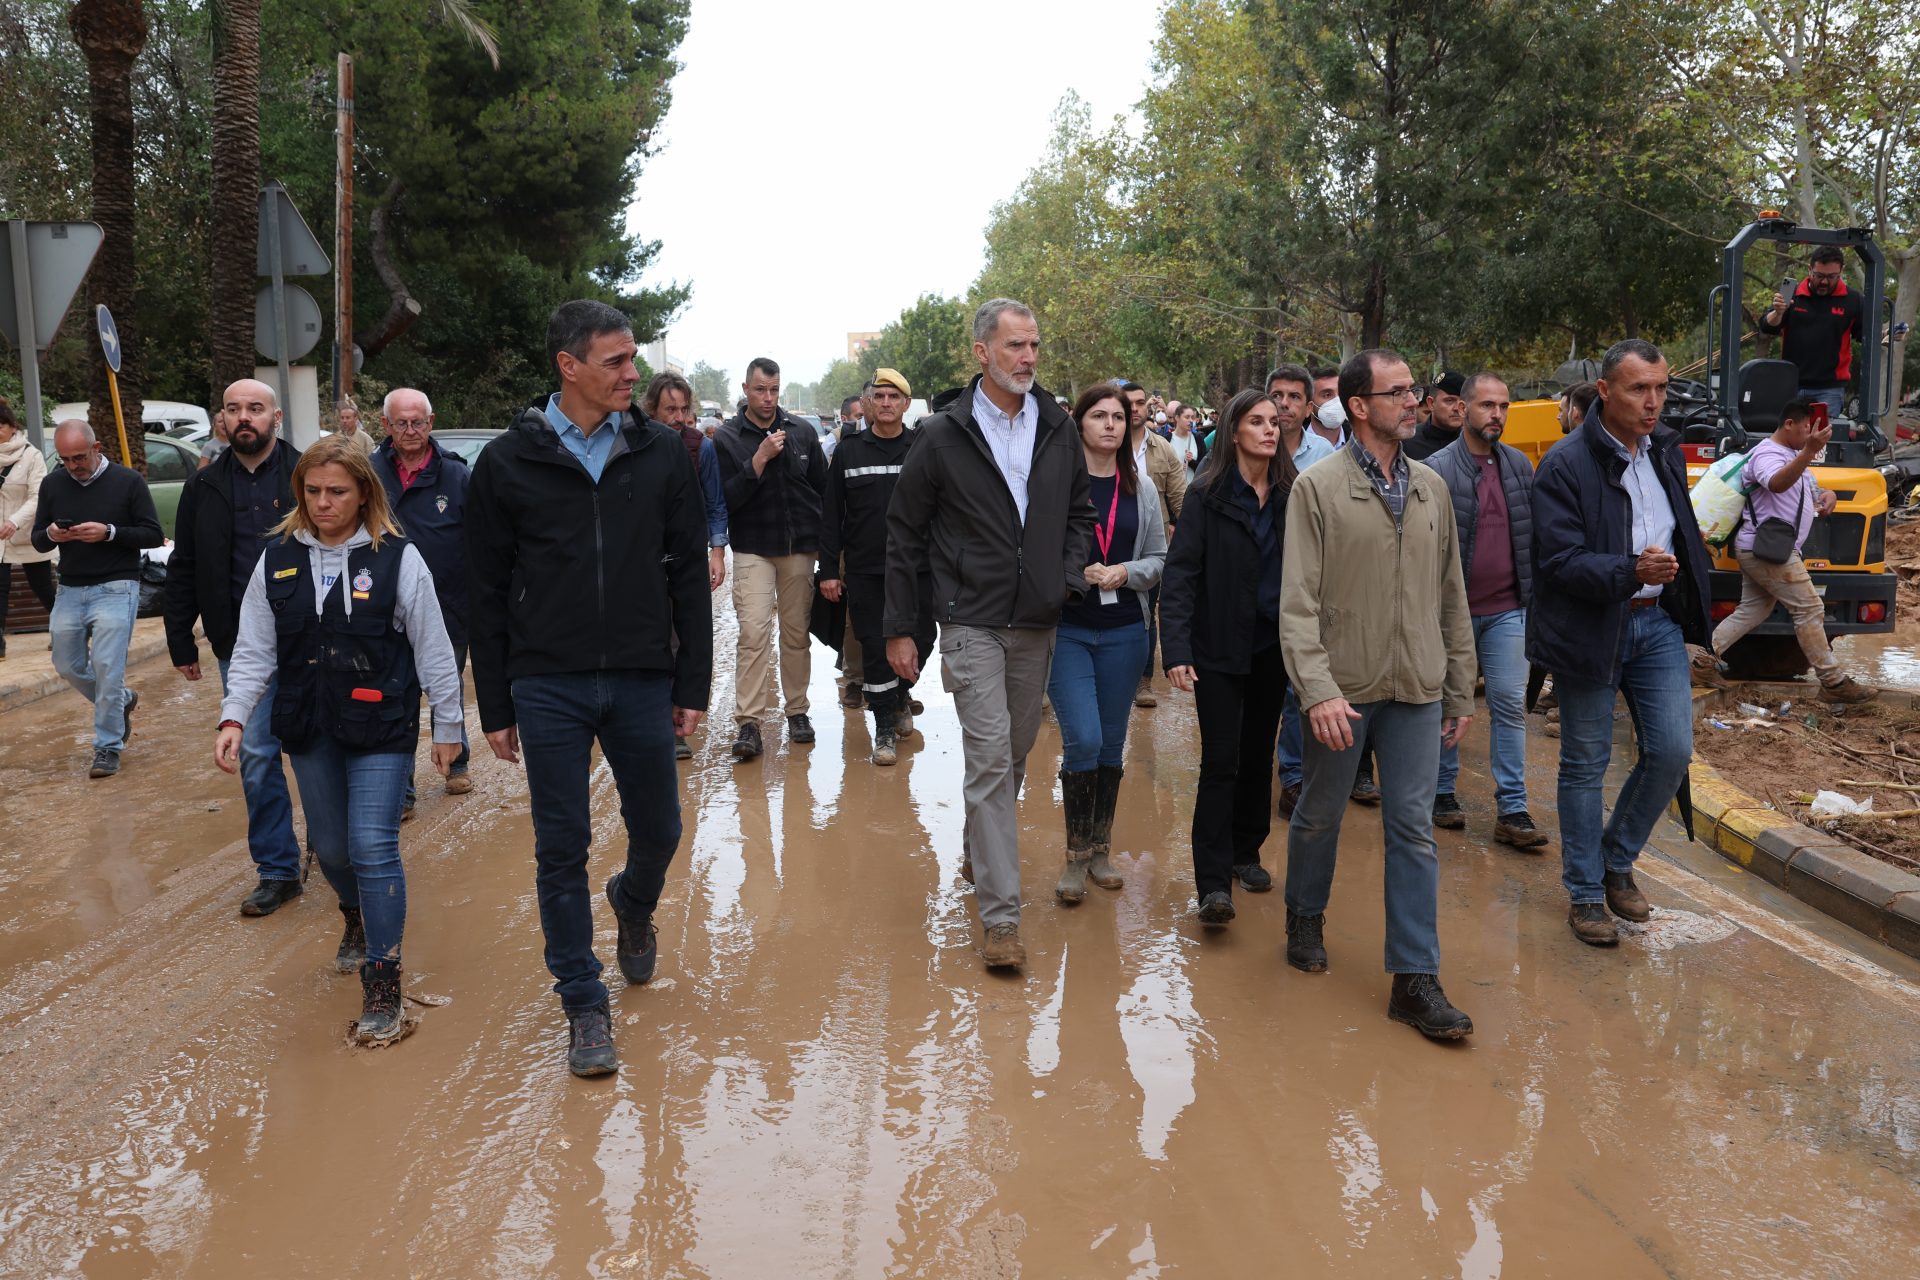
<point>236,189</point>
<point>111,34</point>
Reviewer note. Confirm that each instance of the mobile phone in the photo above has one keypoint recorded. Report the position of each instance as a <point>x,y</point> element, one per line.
<point>63,524</point>
<point>1787,285</point>
<point>1820,415</point>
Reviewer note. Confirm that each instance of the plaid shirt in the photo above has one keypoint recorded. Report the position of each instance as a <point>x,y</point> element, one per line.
<point>1391,487</point>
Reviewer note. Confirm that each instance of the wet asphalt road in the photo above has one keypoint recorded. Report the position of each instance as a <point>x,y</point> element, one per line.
<point>822,1080</point>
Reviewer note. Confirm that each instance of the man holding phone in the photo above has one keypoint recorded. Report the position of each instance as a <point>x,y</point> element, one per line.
<point>1780,513</point>
<point>1620,590</point>
<point>1819,320</point>
<point>100,516</point>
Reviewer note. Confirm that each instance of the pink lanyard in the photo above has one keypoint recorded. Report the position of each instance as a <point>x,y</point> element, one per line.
<point>1105,536</point>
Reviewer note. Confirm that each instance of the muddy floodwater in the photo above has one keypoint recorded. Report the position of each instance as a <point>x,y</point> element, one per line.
<point>823,1081</point>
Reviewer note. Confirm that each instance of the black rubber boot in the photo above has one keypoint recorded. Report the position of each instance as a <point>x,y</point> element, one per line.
<point>1106,798</point>
<point>380,1018</point>
<point>1077,799</point>
<point>353,942</point>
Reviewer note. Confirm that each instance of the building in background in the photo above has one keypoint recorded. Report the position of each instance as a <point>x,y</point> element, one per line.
<point>859,342</point>
<point>659,361</point>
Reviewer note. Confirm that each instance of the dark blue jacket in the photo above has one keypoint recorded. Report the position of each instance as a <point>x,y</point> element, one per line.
<point>1456,465</point>
<point>432,513</point>
<point>1583,555</point>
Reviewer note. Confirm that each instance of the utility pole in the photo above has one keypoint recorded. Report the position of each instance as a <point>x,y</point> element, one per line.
<point>343,234</point>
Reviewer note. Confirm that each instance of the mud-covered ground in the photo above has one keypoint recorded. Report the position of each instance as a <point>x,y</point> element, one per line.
<point>822,1081</point>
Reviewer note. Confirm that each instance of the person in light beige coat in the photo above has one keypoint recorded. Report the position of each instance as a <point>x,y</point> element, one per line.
<point>22,468</point>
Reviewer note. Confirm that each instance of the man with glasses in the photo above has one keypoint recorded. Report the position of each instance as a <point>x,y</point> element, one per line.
<point>1819,327</point>
<point>219,532</point>
<point>99,516</point>
<point>427,489</point>
<point>1377,637</point>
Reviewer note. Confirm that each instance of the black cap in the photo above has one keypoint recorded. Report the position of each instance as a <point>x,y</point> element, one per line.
<point>1450,382</point>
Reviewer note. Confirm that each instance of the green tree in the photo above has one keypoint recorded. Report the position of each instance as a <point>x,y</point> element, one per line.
<point>930,344</point>
<point>709,383</point>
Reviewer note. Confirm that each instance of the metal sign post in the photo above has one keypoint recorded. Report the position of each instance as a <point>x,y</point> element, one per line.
<point>270,227</point>
<point>287,248</point>
<point>110,348</point>
<point>42,268</point>
<point>23,324</point>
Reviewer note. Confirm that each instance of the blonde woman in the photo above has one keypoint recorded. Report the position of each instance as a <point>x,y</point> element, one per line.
<point>342,610</point>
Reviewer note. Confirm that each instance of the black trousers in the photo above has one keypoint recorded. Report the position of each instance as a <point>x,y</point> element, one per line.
<point>1233,806</point>
<point>866,595</point>
<point>39,577</point>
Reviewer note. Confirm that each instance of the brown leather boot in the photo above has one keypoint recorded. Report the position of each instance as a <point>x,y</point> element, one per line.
<point>1590,924</point>
<point>1002,949</point>
<point>1624,898</point>
<point>1848,690</point>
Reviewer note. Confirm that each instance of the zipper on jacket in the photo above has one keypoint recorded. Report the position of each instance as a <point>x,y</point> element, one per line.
<point>600,574</point>
<point>1019,576</point>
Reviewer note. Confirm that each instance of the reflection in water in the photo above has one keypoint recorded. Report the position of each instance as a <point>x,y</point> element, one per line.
<point>1357,1158</point>
<point>1043,1042</point>
<point>1887,659</point>
<point>1158,1024</point>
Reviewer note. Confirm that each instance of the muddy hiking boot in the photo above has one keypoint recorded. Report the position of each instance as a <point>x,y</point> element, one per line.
<point>1624,898</point>
<point>886,733</point>
<point>1106,798</point>
<point>1216,908</point>
<point>799,728</point>
<point>1517,829</point>
<point>380,1016</point>
<point>590,1042</point>
<point>269,896</point>
<point>105,763</point>
<point>1002,949</point>
<point>1253,877</point>
<point>853,697</point>
<point>459,782</point>
<point>353,942</point>
<point>1847,689</point>
<point>1306,943</point>
<point>1707,671</point>
<point>1418,1001</point>
<point>1448,813</point>
<point>746,742</point>
<point>1592,925</point>
<point>903,720</point>
<point>1143,696</point>
<point>1078,791</point>
<point>637,948</point>
<point>1364,792</point>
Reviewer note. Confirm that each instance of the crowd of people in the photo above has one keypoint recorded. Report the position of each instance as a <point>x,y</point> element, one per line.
<point>1327,568</point>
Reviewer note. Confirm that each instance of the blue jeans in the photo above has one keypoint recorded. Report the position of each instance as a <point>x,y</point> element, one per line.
<point>1095,673</point>
<point>1287,750</point>
<point>1501,639</point>
<point>1406,742</point>
<point>1654,680</point>
<point>560,717</point>
<point>352,803</point>
<point>1832,397</point>
<point>263,782</point>
<point>92,627</point>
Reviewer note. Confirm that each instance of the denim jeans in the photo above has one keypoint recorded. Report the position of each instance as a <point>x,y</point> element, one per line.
<point>352,803</point>
<point>92,627</point>
<point>1095,673</point>
<point>270,839</point>
<point>560,717</point>
<point>1501,639</point>
<point>460,761</point>
<point>1406,742</point>
<point>1654,680</point>
<point>1287,750</point>
<point>1832,397</point>
<point>1233,803</point>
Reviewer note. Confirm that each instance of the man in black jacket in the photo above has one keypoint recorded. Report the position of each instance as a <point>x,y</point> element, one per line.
<point>1619,591</point>
<point>226,509</point>
<point>586,556</point>
<point>1820,326</point>
<point>853,553</point>
<point>1447,409</point>
<point>100,517</point>
<point>773,470</point>
<point>997,474</point>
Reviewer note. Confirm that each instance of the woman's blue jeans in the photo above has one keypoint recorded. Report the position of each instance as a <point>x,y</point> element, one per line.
<point>352,801</point>
<point>1095,673</point>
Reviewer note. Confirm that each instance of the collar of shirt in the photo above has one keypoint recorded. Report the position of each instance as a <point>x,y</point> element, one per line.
<point>986,412</point>
<point>99,469</point>
<point>594,450</point>
<point>1385,483</point>
<point>409,474</point>
<point>1010,440</point>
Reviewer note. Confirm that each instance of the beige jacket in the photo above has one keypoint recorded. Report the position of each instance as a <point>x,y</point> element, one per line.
<point>1168,473</point>
<point>20,499</point>
<point>1368,613</point>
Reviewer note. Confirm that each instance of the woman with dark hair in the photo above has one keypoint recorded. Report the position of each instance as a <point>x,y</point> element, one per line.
<point>1220,638</point>
<point>1101,643</point>
<point>342,610</point>
<point>21,471</point>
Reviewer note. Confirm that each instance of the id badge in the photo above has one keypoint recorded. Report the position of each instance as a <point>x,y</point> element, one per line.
<point>1109,597</point>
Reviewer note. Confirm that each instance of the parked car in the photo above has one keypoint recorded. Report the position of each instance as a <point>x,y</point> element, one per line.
<point>157,417</point>
<point>466,441</point>
<point>170,463</point>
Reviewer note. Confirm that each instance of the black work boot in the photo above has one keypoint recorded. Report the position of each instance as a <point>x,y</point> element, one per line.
<point>1217,908</point>
<point>1306,945</point>
<point>637,949</point>
<point>353,942</point>
<point>1253,877</point>
<point>886,718</point>
<point>380,1017</point>
<point>746,742</point>
<point>799,728</point>
<point>269,896</point>
<point>1447,812</point>
<point>590,1042</point>
<point>1364,792</point>
<point>1419,1002</point>
<point>1077,790</point>
<point>1106,798</point>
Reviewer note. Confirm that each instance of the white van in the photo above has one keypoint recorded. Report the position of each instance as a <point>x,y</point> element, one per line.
<point>187,422</point>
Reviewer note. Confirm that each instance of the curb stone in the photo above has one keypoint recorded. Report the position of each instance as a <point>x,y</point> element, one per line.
<point>22,692</point>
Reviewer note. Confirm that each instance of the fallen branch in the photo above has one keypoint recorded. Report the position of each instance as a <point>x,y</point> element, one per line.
<point>1888,816</point>
<point>1867,846</point>
<point>1883,786</point>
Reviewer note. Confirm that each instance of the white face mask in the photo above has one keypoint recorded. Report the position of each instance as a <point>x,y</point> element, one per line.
<point>1331,415</point>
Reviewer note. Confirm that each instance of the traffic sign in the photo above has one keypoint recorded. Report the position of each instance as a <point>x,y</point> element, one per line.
<point>109,336</point>
<point>284,231</point>
<point>303,322</point>
<point>58,255</point>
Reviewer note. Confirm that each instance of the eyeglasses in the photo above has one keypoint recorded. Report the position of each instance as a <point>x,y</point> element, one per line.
<point>409,424</point>
<point>76,459</point>
<point>1412,394</point>
<point>1834,274</point>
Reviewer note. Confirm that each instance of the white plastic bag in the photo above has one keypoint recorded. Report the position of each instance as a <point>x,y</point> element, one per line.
<point>1831,804</point>
<point>1719,498</point>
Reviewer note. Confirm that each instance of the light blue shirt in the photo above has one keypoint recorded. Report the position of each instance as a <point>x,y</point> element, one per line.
<point>594,450</point>
<point>1313,447</point>
<point>1652,513</point>
<point>1010,440</point>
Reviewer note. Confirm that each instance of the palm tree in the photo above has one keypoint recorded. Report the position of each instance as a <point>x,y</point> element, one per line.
<point>111,34</point>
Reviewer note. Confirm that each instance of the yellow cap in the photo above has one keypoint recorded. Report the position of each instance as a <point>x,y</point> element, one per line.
<point>892,378</point>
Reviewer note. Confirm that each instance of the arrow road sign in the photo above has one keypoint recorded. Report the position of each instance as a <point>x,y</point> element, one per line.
<point>303,322</point>
<point>109,337</point>
<point>58,255</point>
<point>299,253</point>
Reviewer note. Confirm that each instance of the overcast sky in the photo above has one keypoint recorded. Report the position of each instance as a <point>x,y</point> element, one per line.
<point>824,164</point>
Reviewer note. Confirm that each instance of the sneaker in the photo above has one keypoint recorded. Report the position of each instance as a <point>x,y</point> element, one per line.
<point>1848,690</point>
<point>1592,925</point>
<point>853,697</point>
<point>1143,697</point>
<point>105,763</point>
<point>1216,908</point>
<point>681,751</point>
<point>381,1020</point>
<point>1419,1002</point>
<point>133,700</point>
<point>1624,898</point>
<point>1306,943</point>
<point>746,742</point>
<point>353,942</point>
<point>884,751</point>
<point>269,896</point>
<point>590,1042</point>
<point>637,948</point>
<point>1447,812</point>
<point>799,728</point>
<point>1253,877</point>
<point>1002,949</point>
<point>1364,792</point>
<point>1517,829</point>
<point>1289,798</point>
<point>459,782</point>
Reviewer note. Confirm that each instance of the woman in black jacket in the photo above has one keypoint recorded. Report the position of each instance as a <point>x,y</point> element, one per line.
<point>1220,628</point>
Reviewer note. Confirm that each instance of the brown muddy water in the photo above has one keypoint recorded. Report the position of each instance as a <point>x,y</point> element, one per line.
<point>822,1080</point>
